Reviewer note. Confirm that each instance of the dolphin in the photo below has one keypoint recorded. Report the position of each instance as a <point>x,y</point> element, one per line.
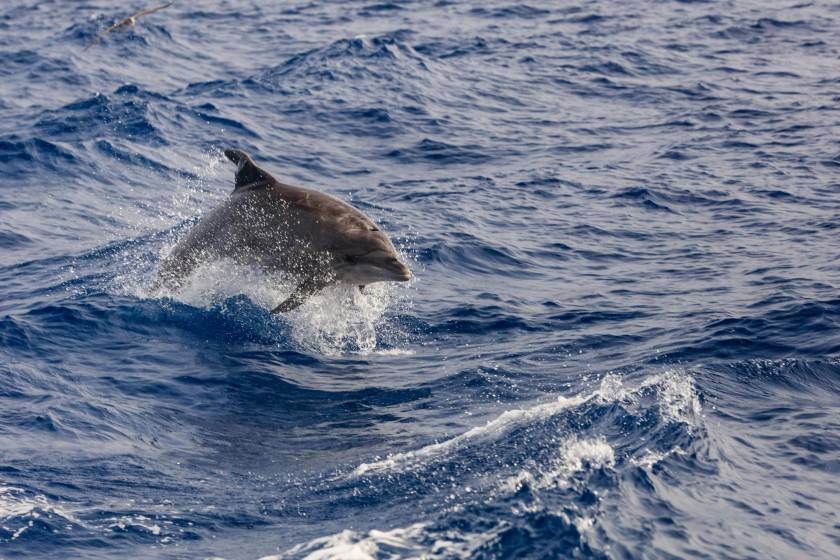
<point>316,238</point>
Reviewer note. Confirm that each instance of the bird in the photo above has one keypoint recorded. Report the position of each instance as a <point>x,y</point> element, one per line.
<point>130,20</point>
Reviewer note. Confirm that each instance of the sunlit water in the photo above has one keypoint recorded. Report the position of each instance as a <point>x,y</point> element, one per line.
<point>622,337</point>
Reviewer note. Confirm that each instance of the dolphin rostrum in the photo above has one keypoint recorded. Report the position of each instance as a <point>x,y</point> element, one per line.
<point>312,236</point>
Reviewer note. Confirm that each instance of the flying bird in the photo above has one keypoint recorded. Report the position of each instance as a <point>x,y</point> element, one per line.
<point>130,20</point>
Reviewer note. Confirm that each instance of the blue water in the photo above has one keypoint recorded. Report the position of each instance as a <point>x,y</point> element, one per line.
<point>623,335</point>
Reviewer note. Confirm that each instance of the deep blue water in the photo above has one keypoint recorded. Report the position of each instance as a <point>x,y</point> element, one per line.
<point>623,336</point>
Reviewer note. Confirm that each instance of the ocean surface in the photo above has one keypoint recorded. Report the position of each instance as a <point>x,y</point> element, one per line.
<point>623,335</point>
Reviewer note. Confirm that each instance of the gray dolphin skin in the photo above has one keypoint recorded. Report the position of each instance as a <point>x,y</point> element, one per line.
<point>312,236</point>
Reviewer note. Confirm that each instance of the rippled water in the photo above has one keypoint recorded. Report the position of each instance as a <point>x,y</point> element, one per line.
<point>622,339</point>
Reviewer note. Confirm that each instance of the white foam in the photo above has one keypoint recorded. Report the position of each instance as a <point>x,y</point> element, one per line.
<point>492,430</point>
<point>350,545</point>
<point>395,352</point>
<point>417,542</point>
<point>414,542</point>
<point>575,455</point>
<point>676,396</point>
<point>17,505</point>
<point>677,402</point>
<point>650,458</point>
<point>340,319</point>
<point>123,522</point>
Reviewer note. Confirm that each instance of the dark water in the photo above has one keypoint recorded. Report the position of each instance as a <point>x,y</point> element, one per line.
<point>623,336</point>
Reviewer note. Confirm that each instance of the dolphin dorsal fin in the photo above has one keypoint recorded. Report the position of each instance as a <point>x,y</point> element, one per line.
<point>247,172</point>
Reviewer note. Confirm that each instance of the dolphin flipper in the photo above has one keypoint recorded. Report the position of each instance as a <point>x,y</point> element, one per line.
<point>304,290</point>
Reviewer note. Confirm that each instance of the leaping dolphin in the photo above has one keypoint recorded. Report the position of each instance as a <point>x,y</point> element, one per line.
<point>316,238</point>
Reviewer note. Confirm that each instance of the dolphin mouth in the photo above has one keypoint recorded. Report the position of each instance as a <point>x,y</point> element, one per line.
<point>404,275</point>
<point>397,271</point>
<point>366,270</point>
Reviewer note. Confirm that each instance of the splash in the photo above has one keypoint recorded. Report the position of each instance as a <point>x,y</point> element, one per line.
<point>339,320</point>
<point>350,544</point>
<point>575,456</point>
<point>131,268</point>
<point>342,320</point>
<point>189,197</point>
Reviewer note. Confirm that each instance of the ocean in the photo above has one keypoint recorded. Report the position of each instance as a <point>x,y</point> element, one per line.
<point>622,339</point>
